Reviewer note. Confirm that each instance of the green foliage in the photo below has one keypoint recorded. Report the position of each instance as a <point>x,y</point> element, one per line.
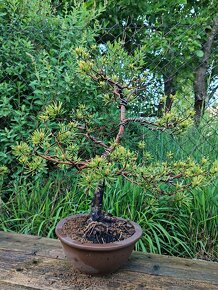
<point>173,34</point>
<point>38,67</point>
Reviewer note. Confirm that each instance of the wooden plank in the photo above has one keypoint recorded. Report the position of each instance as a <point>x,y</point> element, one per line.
<point>139,262</point>
<point>49,274</point>
<point>31,261</point>
<point>11,286</point>
<point>173,266</point>
<point>31,245</point>
<point>6,238</point>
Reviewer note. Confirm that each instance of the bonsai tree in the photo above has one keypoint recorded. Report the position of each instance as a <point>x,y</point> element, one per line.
<point>92,138</point>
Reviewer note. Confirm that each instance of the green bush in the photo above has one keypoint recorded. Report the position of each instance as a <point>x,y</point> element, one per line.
<point>37,66</point>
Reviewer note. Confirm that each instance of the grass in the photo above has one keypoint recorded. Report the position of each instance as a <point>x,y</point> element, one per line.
<point>196,142</point>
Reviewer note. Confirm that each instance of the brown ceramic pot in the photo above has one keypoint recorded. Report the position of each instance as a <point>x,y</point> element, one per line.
<point>97,258</point>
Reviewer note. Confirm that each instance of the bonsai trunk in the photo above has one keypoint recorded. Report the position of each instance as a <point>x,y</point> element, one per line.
<point>96,208</point>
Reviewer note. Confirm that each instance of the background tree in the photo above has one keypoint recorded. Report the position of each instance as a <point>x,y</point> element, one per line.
<point>180,40</point>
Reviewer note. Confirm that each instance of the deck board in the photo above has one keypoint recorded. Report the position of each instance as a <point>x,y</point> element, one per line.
<point>30,262</point>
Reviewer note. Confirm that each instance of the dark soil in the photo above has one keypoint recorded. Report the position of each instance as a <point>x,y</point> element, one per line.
<point>84,230</point>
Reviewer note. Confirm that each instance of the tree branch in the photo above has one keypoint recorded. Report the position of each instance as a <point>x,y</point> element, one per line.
<point>123,103</point>
<point>96,141</point>
<point>112,83</point>
<point>93,138</point>
<point>78,165</point>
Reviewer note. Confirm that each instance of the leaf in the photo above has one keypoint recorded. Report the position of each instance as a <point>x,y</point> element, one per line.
<point>199,53</point>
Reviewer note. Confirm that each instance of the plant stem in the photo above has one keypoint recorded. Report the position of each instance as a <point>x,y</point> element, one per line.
<point>96,208</point>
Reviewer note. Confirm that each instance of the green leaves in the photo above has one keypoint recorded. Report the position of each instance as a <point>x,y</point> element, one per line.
<point>3,170</point>
<point>78,80</point>
<point>21,149</point>
<point>51,111</point>
<point>199,53</point>
<point>38,136</point>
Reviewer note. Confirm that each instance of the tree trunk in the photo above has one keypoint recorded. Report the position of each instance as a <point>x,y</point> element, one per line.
<point>97,202</point>
<point>169,89</point>
<point>200,84</point>
<point>200,91</point>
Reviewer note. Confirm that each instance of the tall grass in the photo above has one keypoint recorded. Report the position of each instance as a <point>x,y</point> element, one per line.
<point>196,142</point>
<point>36,207</point>
<point>186,229</point>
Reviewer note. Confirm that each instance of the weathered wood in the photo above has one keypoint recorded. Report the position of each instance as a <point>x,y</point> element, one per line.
<point>31,245</point>
<point>38,263</point>
<point>173,266</point>
<point>11,286</point>
<point>47,273</point>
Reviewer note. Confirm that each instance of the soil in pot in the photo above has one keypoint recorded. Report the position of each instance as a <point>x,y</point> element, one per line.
<point>86,231</point>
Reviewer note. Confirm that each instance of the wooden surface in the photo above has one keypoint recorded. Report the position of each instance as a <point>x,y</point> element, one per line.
<point>30,262</point>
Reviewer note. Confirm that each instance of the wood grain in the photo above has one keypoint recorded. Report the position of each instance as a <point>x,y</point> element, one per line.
<point>31,245</point>
<point>30,262</point>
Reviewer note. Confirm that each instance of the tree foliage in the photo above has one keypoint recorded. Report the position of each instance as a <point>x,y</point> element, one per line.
<point>38,65</point>
<point>181,47</point>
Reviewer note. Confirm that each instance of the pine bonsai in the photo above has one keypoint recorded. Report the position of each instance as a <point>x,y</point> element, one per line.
<point>92,137</point>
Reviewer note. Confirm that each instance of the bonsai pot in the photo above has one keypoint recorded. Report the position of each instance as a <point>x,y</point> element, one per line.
<point>94,258</point>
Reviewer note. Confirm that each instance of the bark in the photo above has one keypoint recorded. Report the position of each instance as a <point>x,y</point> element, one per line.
<point>169,89</point>
<point>200,83</point>
<point>122,107</point>
<point>97,202</point>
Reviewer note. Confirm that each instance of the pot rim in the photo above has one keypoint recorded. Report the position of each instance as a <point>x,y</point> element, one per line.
<point>97,247</point>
